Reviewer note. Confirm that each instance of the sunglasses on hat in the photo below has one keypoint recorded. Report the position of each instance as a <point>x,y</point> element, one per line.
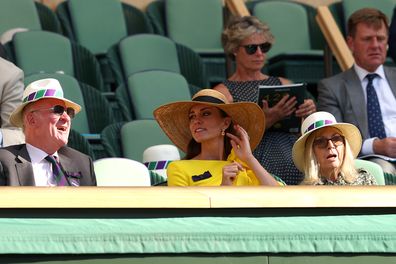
<point>252,48</point>
<point>59,110</point>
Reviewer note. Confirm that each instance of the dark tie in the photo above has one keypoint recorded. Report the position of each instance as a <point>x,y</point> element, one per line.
<point>374,116</point>
<point>58,177</point>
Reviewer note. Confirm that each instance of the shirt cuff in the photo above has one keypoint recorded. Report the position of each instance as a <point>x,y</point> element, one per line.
<point>367,147</point>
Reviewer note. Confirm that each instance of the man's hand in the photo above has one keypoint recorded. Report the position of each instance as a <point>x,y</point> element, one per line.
<point>385,146</point>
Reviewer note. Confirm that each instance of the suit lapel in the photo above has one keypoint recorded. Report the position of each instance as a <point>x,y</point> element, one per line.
<point>71,172</point>
<point>390,75</point>
<point>24,168</point>
<point>355,92</point>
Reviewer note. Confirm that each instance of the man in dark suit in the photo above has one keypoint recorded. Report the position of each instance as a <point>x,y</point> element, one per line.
<point>45,160</point>
<point>365,95</point>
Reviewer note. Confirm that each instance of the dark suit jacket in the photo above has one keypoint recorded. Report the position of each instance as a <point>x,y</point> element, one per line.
<point>16,168</point>
<point>342,95</point>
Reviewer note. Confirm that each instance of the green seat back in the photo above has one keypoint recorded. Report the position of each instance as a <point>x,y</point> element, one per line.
<point>350,6</point>
<point>373,168</point>
<point>43,51</point>
<point>288,22</point>
<point>150,89</point>
<point>80,143</point>
<point>72,91</point>
<point>138,135</point>
<point>97,24</point>
<point>18,14</point>
<point>145,52</point>
<point>196,24</point>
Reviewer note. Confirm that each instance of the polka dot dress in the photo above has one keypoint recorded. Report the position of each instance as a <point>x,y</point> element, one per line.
<point>275,149</point>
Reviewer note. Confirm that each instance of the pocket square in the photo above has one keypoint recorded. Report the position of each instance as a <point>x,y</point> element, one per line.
<point>205,175</point>
<point>74,177</point>
<point>74,174</point>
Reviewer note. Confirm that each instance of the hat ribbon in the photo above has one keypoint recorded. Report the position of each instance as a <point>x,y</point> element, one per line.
<point>157,165</point>
<point>43,93</point>
<point>318,124</point>
<point>208,99</point>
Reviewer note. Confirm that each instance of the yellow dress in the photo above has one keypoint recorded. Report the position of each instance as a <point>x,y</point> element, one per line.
<point>207,172</point>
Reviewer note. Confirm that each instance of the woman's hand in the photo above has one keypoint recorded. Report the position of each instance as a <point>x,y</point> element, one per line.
<point>285,107</point>
<point>241,146</point>
<point>230,173</point>
<point>306,108</point>
<point>240,143</point>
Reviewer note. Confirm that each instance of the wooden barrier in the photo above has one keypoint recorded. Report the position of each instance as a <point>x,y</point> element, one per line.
<point>334,38</point>
<point>237,7</point>
<point>199,197</point>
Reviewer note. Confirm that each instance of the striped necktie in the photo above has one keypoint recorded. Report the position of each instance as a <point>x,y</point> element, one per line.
<point>58,177</point>
<point>374,116</point>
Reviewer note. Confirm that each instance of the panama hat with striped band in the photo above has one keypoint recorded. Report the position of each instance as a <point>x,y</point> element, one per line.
<point>320,120</point>
<point>158,157</point>
<point>38,90</point>
<point>174,121</point>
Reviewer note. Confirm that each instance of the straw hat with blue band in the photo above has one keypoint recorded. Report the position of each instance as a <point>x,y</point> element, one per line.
<point>37,90</point>
<point>319,120</point>
<point>173,117</point>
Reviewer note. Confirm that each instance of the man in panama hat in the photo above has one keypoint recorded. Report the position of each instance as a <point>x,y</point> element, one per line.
<point>45,160</point>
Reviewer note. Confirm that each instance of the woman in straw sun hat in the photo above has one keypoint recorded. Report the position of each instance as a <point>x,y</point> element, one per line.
<point>215,135</point>
<point>326,150</point>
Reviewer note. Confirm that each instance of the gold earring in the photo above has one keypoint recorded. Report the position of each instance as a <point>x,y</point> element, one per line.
<point>223,132</point>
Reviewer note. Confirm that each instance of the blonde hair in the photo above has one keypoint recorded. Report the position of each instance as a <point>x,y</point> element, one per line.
<point>312,168</point>
<point>239,29</point>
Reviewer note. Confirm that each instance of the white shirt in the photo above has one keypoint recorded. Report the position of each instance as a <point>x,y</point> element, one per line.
<point>42,169</point>
<point>387,103</point>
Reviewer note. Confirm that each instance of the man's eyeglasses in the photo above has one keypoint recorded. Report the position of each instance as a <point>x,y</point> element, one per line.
<point>252,48</point>
<point>322,142</point>
<point>58,110</point>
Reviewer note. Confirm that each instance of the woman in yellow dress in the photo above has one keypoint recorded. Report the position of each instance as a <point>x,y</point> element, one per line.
<point>218,138</point>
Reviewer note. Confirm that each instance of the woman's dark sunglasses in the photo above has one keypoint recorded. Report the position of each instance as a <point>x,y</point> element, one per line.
<point>252,48</point>
<point>59,110</point>
<point>322,142</point>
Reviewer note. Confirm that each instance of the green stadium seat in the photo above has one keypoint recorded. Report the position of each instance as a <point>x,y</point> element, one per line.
<point>43,51</point>
<point>81,19</point>
<point>27,14</point>
<point>138,135</point>
<point>197,25</point>
<point>373,168</point>
<point>154,52</point>
<point>292,55</point>
<point>151,89</point>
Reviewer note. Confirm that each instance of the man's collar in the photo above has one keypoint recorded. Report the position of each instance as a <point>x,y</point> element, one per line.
<point>362,72</point>
<point>36,154</point>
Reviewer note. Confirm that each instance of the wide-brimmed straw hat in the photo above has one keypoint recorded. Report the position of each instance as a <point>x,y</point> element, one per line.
<point>38,90</point>
<point>320,120</point>
<point>173,117</point>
